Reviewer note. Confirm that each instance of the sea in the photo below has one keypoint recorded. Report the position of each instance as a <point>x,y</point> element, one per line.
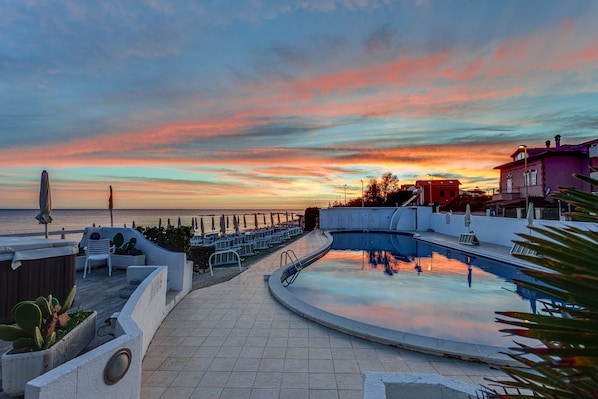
<point>23,222</point>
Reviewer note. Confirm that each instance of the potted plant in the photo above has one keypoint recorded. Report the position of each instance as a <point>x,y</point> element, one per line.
<point>125,253</point>
<point>43,337</point>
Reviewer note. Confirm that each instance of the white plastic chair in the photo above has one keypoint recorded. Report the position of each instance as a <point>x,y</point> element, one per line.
<point>98,250</point>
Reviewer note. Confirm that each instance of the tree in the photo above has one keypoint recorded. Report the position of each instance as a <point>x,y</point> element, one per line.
<point>373,194</point>
<point>388,185</point>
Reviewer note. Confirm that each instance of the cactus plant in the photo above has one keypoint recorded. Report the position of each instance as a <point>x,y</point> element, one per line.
<point>37,323</point>
<point>123,248</point>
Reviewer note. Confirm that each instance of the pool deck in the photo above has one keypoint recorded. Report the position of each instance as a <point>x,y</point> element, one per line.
<point>234,340</point>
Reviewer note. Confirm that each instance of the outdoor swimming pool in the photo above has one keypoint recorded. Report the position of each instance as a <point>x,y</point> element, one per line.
<point>397,282</point>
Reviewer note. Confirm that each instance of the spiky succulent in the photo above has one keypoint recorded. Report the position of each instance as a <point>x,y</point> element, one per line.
<point>36,323</point>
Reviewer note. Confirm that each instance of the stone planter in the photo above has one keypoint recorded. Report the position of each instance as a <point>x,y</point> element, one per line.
<point>19,368</point>
<point>123,261</point>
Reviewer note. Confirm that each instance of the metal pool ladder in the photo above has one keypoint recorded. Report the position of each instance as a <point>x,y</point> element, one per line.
<point>291,273</point>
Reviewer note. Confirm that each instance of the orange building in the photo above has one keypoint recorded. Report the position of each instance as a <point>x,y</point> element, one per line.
<point>438,191</point>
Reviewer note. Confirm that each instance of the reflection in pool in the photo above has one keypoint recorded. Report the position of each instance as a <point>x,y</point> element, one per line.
<point>397,282</point>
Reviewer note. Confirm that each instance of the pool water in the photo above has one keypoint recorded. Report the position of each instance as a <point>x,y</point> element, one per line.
<point>397,282</point>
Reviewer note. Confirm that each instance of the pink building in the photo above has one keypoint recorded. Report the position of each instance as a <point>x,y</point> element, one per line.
<point>536,172</point>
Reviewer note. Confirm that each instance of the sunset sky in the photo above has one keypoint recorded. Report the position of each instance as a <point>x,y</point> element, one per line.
<point>280,104</point>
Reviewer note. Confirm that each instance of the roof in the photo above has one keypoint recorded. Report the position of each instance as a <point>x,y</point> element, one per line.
<point>579,150</point>
<point>439,182</point>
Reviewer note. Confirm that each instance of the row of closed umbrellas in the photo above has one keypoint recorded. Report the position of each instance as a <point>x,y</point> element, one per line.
<point>224,222</point>
<point>45,205</point>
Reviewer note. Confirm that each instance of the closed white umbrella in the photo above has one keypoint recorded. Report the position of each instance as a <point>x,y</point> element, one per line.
<point>222,225</point>
<point>236,224</point>
<point>244,222</point>
<point>530,214</point>
<point>255,220</point>
<point>45,202</point>
<point>467,218</point>
<point>213,224</point>
<point>272,219</point>
<point>201,226</point>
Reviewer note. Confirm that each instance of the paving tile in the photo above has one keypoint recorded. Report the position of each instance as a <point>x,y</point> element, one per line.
<point>323,394</point>
<point>173,363</point>
<point>177,393</point>
<point>322,381</point>
<point>241,379</point>
<point>296,365</point>
<point>252,351</point>
<point>268,380</point>
<point>187,379</point>
<point>222,364</point>
<point>271,364</point>
<point>161,378</point>
<point>295,380</point>
<point>350,394</point>
<point>346,366</point>
<point>214,379</point>
<point>352,381</point>
<point>235,393</point>
<point>152,392</point>
<point>294,393</point>
<point>320,353</point>
<point>321,366</point>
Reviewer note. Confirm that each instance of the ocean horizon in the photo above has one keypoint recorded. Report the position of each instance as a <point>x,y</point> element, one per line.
<point>22,221</point>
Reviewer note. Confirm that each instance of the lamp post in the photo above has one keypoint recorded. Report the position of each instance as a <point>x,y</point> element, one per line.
<point>345,195</point>
<point>430,183</point>
<point>525,177</point>
<point>362,193</point>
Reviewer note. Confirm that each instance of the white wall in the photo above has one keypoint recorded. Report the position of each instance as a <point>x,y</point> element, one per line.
<point>179,276</point>
<point>496,230</point>
<point>411,218</point>
<point>491,229</point>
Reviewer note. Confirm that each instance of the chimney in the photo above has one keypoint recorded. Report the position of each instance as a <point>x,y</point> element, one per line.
<point>547,143</point>
<point>557,141</point>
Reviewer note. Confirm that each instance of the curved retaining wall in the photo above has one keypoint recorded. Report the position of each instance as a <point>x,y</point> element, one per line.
<point>162,287</point>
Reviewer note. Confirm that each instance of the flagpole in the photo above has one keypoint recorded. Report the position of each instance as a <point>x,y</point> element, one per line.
<point>110,206</point>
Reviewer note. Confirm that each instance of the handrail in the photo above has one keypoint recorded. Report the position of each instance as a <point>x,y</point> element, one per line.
<point>291,275</point>
<point>61,233</point>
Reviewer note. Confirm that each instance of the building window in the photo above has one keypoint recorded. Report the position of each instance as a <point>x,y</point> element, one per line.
<point>534,177</point>
<point>509,185</point>
<point>452,192</point>
<point>441,193</point>
<point>526,178</point>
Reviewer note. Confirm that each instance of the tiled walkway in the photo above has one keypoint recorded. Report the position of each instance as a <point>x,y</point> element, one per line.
<point>233,340</point>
